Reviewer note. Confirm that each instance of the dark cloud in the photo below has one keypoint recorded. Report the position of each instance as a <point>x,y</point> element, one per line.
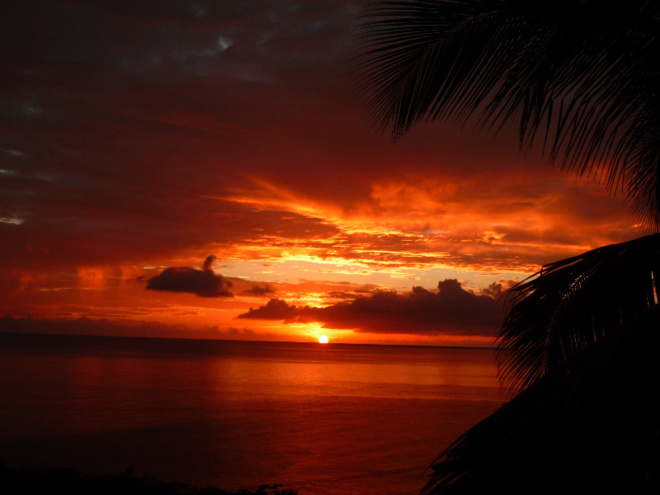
<point>259,290</point>
<point>100,94</point>
<point>113,328</point>
<point>498,290</point>
<point>208,262</point>
<point>450,310</point>
<point>276,309</point>
<point>204,282</point>
<point>246,110</point>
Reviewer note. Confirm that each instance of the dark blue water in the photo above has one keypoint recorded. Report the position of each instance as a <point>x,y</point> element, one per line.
<point>324,419</point>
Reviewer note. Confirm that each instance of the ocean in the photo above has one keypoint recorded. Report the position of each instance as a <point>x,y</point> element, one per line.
<point>325,419</point>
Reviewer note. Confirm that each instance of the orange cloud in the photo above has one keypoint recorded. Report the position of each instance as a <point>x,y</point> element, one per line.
<point>166,146</point>
<point>513,222</point>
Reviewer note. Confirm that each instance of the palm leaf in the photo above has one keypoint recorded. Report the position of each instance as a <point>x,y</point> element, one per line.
<point>582,76</point>
<point>580,79</point>
<point>571,304</point>
<point>592,426</point>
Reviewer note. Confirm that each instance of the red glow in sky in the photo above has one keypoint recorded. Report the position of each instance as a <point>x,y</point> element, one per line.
<point>138,139</point>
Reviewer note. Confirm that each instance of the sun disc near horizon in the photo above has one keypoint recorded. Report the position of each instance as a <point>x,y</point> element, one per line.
<point>323,339</point>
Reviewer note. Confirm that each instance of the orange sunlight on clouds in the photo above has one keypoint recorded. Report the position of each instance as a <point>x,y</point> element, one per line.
<point>119,191</point>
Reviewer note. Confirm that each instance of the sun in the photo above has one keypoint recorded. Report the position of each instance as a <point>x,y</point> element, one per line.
<point>323,339</point>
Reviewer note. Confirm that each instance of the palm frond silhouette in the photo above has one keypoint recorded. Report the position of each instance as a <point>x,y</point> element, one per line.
<point>580,79</point>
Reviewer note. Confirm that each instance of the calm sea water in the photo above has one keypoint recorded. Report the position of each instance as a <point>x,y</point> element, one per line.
<point>324,419</point>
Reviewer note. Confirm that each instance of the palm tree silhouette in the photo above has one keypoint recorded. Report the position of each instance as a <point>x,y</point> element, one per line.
<point>579,346</point>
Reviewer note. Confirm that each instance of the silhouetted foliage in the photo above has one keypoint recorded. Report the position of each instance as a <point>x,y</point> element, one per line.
<point>581,77</point>
<point>580,341</point>
<point>571,304</point>
<point>590,428</point>
<point>21,481</point>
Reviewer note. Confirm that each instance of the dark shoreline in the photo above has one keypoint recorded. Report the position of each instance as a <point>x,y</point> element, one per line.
<point>22,481</point>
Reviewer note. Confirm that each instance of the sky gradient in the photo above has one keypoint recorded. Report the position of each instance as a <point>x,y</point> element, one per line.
<point>202,169</point>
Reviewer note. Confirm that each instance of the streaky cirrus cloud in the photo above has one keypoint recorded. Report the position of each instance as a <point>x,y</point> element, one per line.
<point>204,282</point>
<point>450,310</point>
<point>247,111</point>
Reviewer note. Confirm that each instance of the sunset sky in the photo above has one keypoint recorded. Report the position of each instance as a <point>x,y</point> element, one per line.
<point>202,169</point>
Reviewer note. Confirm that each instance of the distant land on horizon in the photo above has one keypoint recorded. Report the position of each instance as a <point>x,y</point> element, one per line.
<point>16,328</point>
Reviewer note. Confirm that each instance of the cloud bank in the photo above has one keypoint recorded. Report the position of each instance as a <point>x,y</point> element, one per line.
<point>450,310</point>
